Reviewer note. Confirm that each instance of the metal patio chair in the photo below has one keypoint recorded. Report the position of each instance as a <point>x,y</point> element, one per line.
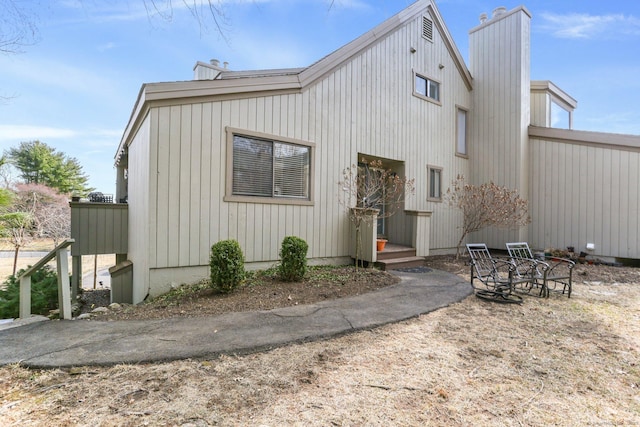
<point>496,275</point>
<point>552,274</point>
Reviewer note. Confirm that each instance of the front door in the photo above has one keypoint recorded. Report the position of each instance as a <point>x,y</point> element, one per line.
<point>372,194</point>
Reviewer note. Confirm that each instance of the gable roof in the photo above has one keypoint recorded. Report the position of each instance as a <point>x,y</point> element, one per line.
<point>352,49</point>
<point>238,83</point>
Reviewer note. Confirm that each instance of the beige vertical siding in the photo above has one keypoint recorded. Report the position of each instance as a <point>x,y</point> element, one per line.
<point>99,228</point>
<point>364,106</point>
<point>540,108</point>
<point>142,165</point>
<point>500,62</point>
<point>585,194</point>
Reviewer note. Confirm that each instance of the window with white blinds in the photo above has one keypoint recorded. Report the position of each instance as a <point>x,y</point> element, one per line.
<point>267,168</point>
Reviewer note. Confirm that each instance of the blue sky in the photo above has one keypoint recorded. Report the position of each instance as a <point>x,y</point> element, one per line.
<point>74,89</point>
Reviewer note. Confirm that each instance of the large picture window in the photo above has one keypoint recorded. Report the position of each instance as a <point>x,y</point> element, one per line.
<point>269,169</point>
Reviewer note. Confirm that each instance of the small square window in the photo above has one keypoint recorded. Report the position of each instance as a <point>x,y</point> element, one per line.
<point>428,88</point>
<point>435,183</point>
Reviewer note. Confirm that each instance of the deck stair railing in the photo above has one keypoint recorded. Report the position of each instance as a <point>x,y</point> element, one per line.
<point>61,253</point>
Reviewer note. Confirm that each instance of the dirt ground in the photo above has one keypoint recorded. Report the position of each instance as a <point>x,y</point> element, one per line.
<point>555,361</point>
<point>262,291</point>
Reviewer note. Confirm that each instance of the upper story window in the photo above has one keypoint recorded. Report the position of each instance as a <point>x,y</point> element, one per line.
<point>266,170</point>
<point>560,117</point>
<point>461,132</point>
<point>425,87</point>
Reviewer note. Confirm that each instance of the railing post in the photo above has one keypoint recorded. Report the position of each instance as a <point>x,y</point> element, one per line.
<point>25,296</point>
<point>76,279</point>
<point>61,253</point>
<point>64,291</point>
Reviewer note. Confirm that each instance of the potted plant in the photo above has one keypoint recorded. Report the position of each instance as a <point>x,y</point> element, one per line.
<point>380,244</point>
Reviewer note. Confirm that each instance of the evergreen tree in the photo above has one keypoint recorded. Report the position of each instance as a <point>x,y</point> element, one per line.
<point>39,163</point>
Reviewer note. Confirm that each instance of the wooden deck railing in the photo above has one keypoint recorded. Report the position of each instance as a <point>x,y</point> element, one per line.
<point>61,252</point>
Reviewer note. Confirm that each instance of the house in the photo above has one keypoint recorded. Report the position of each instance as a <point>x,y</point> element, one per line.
<point>257,155</point>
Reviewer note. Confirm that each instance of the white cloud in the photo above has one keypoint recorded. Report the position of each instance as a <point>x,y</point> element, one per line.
<point>106,46</point>
<point>81,78</point>
<point>30,133</point>
<point>584,26</point>
<point>349,4</point>
<point>91,138</point>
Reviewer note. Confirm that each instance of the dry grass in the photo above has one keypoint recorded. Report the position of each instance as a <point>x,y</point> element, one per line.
<point>556,361</point>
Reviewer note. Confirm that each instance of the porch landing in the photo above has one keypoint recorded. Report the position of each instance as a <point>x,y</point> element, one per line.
<point>395,256</point>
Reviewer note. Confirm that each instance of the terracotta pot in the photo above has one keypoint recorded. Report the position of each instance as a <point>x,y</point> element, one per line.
<point>380,244</point>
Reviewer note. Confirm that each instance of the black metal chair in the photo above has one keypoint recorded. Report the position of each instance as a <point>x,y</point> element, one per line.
<point>497,275</point>
<point>550,274</point>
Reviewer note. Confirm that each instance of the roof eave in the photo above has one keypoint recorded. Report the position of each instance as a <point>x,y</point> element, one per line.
<point>549,86</point>
<point>350,50</point>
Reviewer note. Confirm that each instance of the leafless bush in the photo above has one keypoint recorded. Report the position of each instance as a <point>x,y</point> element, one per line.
<point>486,205</point>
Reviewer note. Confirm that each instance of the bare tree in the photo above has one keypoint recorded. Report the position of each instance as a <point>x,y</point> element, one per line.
<point>55,220</point>
<point>370,186</point>
<point>17,225</point>
<point>49,210</point>
<point>200,10</point>
<point>486,205</point>
<point>18,27</point>
<point>19,19</point>
<point>35,211</point>
<point>6,174</point>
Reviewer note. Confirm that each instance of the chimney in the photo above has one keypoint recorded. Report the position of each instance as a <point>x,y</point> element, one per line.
<point>215,62</point>
<point>483,18</point>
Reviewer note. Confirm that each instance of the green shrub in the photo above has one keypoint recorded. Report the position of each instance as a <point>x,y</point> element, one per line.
<point>44,293</point>
<point>227,265</point>
<point>293,255</point>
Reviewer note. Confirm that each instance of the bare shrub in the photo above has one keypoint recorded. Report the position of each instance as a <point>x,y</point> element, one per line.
<point>486,205</point>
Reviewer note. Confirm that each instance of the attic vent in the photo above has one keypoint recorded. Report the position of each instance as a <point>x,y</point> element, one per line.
<point>427,28</point>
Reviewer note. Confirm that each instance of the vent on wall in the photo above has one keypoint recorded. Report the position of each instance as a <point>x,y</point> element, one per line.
<point>427,28</point>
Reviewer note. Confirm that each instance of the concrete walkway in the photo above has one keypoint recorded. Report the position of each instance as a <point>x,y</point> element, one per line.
<point>52,344</point>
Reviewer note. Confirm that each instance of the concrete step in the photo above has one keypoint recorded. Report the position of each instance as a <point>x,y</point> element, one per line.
<point>396,263</point>
<point>395,251</point>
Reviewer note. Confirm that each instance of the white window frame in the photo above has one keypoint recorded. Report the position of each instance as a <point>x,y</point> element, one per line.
<point>559,116</point>
<point>462,132</point>
<point>429,84</point>
<point>434,196</point>
<point>274,198</point>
